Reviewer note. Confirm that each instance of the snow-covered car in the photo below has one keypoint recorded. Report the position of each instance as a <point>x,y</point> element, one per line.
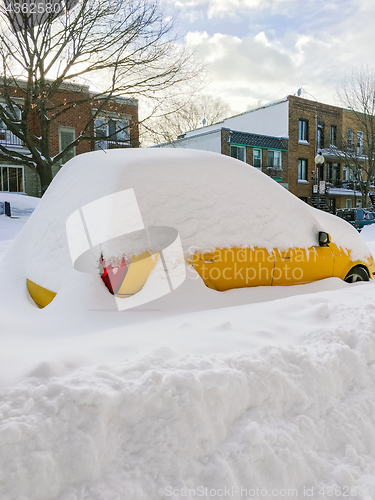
<point>106,220</point>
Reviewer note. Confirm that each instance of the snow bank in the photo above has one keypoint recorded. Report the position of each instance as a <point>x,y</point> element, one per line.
<point>368,232</point>
<point>273,418</point>
<point>21,205</point>
<point>21,208</point>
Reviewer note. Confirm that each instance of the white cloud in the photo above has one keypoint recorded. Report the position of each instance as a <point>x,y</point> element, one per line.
<point>272,63</point>
<point>232,8</point>
<point>262,39</point>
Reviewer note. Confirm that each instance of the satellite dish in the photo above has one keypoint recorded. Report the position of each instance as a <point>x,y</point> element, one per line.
<point>299,92</point>
<point>204,121</point>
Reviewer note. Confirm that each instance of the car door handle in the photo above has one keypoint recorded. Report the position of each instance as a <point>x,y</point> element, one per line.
<point>208,258</point>
<point>285,256</point>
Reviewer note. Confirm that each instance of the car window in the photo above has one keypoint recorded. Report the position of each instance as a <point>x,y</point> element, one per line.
<point>349,216</point>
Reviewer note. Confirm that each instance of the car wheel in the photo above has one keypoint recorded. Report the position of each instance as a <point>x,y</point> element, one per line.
<point>357,274</point>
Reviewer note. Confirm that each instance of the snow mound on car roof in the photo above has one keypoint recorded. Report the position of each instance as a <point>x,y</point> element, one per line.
<point>212,200</point>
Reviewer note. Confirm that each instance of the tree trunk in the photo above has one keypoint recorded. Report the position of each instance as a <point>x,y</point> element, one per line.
<point>45,176</point>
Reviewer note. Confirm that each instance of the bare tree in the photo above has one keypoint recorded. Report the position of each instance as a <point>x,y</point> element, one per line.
<point>183,115</point>
<point>357,94</point>
<point>124,48</point>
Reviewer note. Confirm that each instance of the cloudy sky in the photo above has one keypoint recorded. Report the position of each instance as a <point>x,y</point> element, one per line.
<point>261,50</point>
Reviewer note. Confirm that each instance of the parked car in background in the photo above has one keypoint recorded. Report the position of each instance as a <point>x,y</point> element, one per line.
<point>357,217</point>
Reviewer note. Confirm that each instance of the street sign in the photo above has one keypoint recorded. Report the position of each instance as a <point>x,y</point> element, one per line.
<point>315,188</point>
<point>322,187</point>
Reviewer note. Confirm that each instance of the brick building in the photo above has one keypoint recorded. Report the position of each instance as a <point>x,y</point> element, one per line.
<point>282,139</point>
<point>118,119</point>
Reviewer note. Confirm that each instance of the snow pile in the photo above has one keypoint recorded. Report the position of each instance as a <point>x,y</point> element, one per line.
<point>22,206</point>
<point>21,209</point>
<point>276,417</point>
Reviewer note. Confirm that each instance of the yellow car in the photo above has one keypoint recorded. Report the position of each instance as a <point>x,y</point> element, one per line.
<point>225,269</point>
<point>236,226</point>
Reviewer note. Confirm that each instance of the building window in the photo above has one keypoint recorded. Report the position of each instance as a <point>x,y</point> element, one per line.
<point>112,133</point>
<point>359,142</point>
<point>348,203</point>
<point>13,112</point>
<point>303,127</point>
<point>7,137</point>
<point>329,171</point>
<point>238,152</point>
<point>350,139</point>
<point>345,173</point>
<point>320,135</point>
<point>351,172</point>
<point>336,172</point>
<point>257,158</point>
<point>11,179</point>
<point>273,159</point>
<point>66,136</point>
<point>302,169</point>
<point>333,135</point>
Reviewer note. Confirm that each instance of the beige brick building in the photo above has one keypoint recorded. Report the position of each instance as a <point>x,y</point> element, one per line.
<point>119,114</point>
<point>282,139</point>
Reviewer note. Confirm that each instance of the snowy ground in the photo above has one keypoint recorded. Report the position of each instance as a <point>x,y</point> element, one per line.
<point>253,393</point>
<point>22,207</point>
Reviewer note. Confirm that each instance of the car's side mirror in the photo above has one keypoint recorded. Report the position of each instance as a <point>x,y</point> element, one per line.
<point>324,239</point>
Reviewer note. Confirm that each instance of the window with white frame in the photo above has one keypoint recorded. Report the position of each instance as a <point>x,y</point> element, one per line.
<point>348,203</point>
<point>345,172</point>
<point>329,171</point>
<point>333,135</point>
<point>351,172</point>
<point>66,137</point>
<point>274,159</point>
<point>11,179</point>
<point>6,136</point>
<point>303,130</point>
<point>359,142</point>
<point>238,152</point>
<point>257,158</point>
<point>302,169</point>
<point>12,112</point>
<point>349,136</point>
<point>112,132</point>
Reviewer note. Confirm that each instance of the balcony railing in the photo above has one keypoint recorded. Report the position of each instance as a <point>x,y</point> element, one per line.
<point>338,183</point>
<point>273,167</point>
<point>7,138</point>
<point>111,144</point>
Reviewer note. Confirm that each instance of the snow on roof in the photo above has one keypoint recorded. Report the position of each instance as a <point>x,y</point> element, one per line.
<point>248,111</point>
<point>344,192</point>
<point>212,200</point>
